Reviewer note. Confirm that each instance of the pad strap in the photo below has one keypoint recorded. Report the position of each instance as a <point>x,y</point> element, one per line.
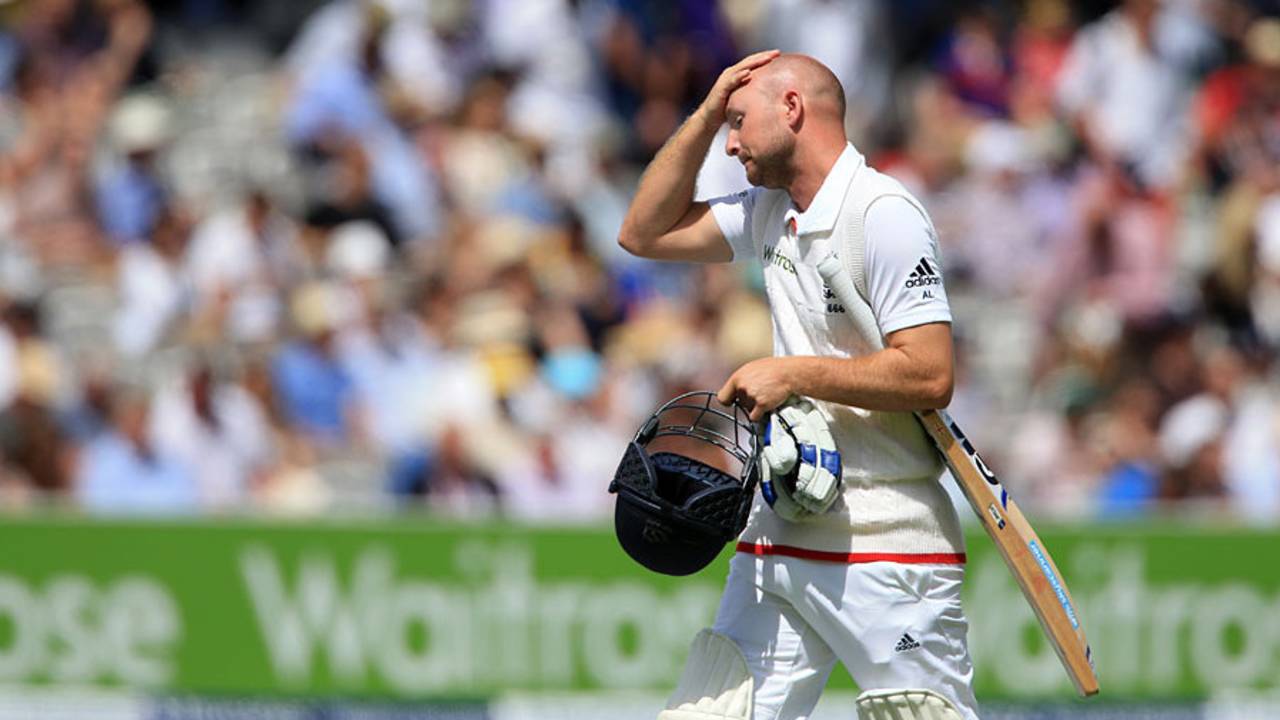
<point>907,704</point>
<point>716,684</point>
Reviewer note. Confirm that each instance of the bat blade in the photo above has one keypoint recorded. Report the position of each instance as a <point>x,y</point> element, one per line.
<point>1023,551</point>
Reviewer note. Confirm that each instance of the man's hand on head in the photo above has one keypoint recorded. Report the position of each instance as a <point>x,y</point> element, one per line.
<point>758,387</point>
<point>733,77</point>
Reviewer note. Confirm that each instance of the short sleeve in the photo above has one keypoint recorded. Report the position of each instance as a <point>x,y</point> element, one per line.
<point>904,276</point>
<point>733,214</point>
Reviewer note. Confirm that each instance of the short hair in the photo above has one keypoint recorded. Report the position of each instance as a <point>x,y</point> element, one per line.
<point>816,79</point>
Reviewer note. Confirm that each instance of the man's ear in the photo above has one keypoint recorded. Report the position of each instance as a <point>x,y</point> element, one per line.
<point>794,104</point>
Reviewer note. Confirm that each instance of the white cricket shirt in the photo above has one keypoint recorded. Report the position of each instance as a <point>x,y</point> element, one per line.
<point>891,506</point>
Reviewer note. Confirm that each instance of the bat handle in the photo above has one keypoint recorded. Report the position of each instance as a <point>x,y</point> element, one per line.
<point>841,284</point>
<point>830,268</point>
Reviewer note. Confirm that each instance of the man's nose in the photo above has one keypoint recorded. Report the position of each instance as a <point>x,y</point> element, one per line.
<point>731,144</point>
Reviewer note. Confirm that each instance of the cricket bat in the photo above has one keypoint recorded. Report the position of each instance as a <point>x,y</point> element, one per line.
<point>1023,552</point>
<point>1021,548</point>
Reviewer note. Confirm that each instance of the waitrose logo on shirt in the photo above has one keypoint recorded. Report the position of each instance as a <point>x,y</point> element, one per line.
<point>773,256</point>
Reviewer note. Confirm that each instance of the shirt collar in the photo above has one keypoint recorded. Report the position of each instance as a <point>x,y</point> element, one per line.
<point>822,212</point>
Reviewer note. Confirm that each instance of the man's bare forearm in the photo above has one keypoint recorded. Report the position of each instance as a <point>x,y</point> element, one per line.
<point>887,380</point>
<point>905,377</point>
<point>665,195</point>
<point>666,189</point>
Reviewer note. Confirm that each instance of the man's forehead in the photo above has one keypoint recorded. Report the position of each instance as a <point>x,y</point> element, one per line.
<point>738,98</point>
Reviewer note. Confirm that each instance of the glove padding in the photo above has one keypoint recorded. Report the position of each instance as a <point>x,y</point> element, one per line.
<point>800,468</point>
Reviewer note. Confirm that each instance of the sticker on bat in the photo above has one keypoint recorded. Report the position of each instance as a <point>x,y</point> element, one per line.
<point>978,462</point>
<point>1056,584</point>
<point>994,512</point>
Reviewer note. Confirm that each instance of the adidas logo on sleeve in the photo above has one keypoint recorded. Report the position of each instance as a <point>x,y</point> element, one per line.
<point>906,643</point>
<point>924,275</point>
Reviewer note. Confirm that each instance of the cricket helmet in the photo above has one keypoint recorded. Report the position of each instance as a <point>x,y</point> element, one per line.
<point>686,483</point>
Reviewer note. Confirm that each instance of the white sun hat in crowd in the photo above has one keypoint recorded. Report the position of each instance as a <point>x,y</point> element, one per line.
<point>141,121</point>
<point>1189,427</point>
<point>358,249</point>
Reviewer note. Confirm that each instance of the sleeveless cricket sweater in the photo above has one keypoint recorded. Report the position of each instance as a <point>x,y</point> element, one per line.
<point>892,505</point>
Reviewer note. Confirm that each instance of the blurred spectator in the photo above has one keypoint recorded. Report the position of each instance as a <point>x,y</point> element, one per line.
<point>237,262</point>
<point>1222,441</point>
<point>34,447</point>
<point>315,392</point>
<point>337,94</point>
<point>1238,111</point>
<point>342,95</point>
<point>569,365</point>
<point>293,485</point>
<point>347,195</point>
<point>538,489</point>
<point>122,471</point>
<point>1252,452</point>
<point>1131,482</point>
<point>131,195</point>
<point>1116,256</point>
<point>153,287</point>
<point>975,63</point>
<point>89,415</point>
<point>9,368</point>
<point>558,476</point>
<point>74,58</point>
<point>1052,463</point>
<point>74,45</point>
<point>1122,87</point>
<point>397,368</point>
<point>399,34</point>
<point>1191,442</point>
<point>46,174</point>
<point>553,100</point>
<point>480,158</point>
<point>1004,207</point>
<point>292,482</point>
<point>215,427</point>
<point>37,364</point>
<point>657,59</point>
<point>1041,42</point>
<point>454,482</point>
<point>589,437</point>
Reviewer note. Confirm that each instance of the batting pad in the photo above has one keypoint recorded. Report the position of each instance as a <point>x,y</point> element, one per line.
<point>905,705</point>
<point>716,684</point>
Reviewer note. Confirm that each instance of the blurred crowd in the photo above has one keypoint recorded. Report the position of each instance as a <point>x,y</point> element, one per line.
<point>317,256</point>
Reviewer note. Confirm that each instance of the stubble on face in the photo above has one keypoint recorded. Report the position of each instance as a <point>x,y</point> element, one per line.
<point>772,162</point>
<point>766,153</point>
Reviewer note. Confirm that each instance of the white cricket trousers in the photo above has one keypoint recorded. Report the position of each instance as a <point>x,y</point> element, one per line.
<point>893,625</point>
